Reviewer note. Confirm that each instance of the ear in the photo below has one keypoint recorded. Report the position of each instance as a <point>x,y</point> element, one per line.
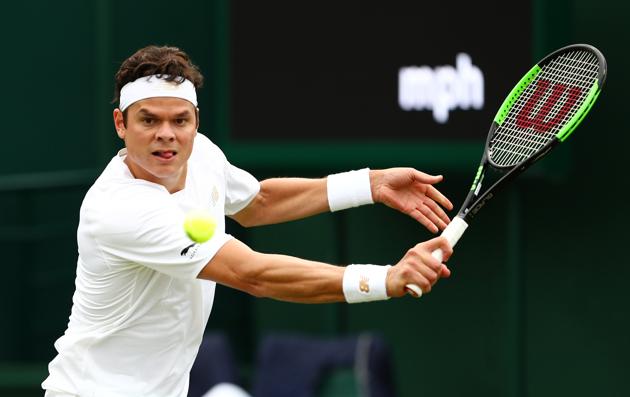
<point>119,123</point>
<point>197,114</point>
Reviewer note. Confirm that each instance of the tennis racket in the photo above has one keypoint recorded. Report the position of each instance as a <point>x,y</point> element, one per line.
<point>541,111</point>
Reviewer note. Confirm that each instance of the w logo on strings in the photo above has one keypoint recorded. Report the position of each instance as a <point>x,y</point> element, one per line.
<point>525,120</point>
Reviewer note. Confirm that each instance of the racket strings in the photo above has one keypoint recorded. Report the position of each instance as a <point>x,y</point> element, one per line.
<point>546,105</point>
<point>526,141</point>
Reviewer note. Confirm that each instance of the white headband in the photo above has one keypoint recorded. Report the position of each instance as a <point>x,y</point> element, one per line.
<point>154,86</point>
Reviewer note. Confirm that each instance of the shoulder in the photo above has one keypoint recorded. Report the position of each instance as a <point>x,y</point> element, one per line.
<point>207,157</point>
<point>203,145</point>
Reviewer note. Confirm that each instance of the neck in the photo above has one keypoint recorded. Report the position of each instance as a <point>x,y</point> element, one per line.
<point>172,183</point>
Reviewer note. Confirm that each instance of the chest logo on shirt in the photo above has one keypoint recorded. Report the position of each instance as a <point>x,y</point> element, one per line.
<point>214,196</point>
<point>188,252</point>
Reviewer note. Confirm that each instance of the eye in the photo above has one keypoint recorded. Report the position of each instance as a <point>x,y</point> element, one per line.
<point>181,121</point>
<point>147,120</point>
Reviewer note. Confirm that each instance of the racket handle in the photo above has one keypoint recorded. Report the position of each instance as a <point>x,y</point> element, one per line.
<point>452,233</point>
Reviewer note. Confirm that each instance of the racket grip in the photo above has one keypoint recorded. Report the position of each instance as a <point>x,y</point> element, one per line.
<point>452,233</point>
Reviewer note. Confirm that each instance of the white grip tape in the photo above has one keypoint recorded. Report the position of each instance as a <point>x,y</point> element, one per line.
<point>454,230</point>
<point>349,189</point>
<point>452,233</point>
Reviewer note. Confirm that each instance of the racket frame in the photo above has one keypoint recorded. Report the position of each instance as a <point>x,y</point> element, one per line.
<point>474,202</point>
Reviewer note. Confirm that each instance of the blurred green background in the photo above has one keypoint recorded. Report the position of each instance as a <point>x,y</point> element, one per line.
<point>537,302</point>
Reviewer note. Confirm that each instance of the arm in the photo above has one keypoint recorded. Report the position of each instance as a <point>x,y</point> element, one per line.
<point>284,199</point>
<point>298,280</point>
<point>404,189</point>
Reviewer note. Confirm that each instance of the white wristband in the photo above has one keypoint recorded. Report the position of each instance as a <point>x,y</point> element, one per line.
<point>349,189</point>
<point>365,283</point>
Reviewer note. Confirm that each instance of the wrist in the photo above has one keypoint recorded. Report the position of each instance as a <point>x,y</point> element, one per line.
<point>376,177</point>
<point>349,189</point>
<point>365,283</point>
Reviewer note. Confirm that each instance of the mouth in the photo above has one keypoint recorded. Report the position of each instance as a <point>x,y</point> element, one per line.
<point>164,154</point>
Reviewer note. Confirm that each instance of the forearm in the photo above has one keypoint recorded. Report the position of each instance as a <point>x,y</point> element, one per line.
<point>293,279</point>
<point>279,277</point>
<point>285,199</point>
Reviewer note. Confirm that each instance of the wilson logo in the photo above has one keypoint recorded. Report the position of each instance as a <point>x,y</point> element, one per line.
<point>525,120</point>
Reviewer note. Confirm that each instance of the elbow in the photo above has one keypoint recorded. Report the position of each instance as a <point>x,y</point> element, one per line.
<point>237,266</point>
<point>250,275</point>
<point>250,283</point>
<point>253,214</point>
<point>256,293</point>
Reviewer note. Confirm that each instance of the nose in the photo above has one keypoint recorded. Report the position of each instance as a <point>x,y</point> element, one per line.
<point>165,133</point>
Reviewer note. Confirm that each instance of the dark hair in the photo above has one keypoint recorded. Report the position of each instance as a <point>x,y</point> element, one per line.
<point>160,61</point>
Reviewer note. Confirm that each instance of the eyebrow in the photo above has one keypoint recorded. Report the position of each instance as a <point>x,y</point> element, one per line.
<point>145,112</point>
<point>185,113</point>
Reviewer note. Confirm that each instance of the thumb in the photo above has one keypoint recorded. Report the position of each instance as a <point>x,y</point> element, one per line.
<point>438,242</point>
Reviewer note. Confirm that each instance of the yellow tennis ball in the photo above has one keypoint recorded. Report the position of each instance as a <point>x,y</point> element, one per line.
<point>199,226</point>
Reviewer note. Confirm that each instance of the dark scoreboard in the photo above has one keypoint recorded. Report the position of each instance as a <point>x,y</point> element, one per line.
<point>409,71</point>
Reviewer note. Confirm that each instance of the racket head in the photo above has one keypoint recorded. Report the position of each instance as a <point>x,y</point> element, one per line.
<point>546,106</point>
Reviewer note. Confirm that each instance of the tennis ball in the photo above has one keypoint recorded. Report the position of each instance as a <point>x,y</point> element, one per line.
<point>199,226</point>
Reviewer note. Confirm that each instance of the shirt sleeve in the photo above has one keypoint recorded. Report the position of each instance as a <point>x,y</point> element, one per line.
<point>241,188</point>
<point>151,234</point>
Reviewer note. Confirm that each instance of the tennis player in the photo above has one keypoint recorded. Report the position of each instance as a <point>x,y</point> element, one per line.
<point>144,291</point>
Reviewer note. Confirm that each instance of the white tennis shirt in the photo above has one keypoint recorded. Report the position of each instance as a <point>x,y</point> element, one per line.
<point>139,312</point>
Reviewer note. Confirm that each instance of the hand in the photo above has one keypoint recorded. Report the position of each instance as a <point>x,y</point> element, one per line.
<point>419,267</point>
<point>411,192</point>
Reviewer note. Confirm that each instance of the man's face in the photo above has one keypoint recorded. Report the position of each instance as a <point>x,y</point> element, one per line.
<point>159,136</point>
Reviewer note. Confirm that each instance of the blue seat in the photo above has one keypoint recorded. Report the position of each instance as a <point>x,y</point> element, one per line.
<point>214,364</point>
<point>298,366</point>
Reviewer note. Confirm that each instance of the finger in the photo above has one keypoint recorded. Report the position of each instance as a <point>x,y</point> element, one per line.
<point>446,272</point>
<point>438,242</point>
<point>439,211</point>
<point>431,275</point>
<point>445,246</point>
<point>426,222</point>
<point>447,252</point>
<point>422,256</point>
<point>422,282</point>
<point>437,196</point>
<point>414,277</point>
<point>426,178</point>
<point>435,214</point>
